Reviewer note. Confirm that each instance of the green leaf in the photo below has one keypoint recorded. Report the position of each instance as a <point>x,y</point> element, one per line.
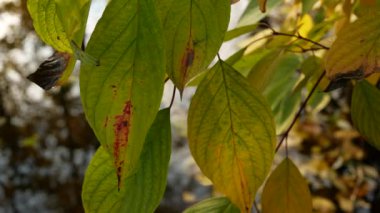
<point>231,60</point>
<point>48,25</point>
<point>194,32</point>
<point>239,31</point>
<point>252,14</point>
<point>77,10</point>
<point>143,190</point>
<point>122,95</point>
<point>307,5</point>
<point>355,52</point>
<point>365,111</point>
<point>231,134</point>
<point>275,76</point>
<point>261,74</point>
<point>213,205</point>
<point>286,191</point>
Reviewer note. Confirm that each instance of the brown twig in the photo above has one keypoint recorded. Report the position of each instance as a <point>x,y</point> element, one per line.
<point>285,135</point>
<point>173,97</point>
<point>298,36</point>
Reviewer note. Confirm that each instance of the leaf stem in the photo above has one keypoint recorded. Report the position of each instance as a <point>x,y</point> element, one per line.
<point>303,106</point>
<point>298,36</point>
<point>173,97</point>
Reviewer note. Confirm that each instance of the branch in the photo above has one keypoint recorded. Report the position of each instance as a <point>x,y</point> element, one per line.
<point>298,36</point>
<point>285,135</point>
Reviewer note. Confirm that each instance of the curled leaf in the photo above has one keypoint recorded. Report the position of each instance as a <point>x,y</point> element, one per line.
<point>51,70</point>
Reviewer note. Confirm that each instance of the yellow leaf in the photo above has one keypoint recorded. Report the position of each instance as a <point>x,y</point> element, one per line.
<point>356,52</point>
<point>286,191</point>
<point>231,134</point>
<point>262,4</point>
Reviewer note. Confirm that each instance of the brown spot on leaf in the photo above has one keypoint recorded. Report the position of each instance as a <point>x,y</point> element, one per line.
<point>106,122</point>
<point>187,60</point>
<point>121,130</point>
<point>114,90</point>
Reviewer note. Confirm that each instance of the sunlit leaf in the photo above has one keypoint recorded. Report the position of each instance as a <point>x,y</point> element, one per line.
<point>77,10</point>
<point>286,191</point>
<point>231,134</point>
<point>234,33</point>
<point>365,111</point>
<point>144,189</point>
<point>122,95</point>
<point>213,205</point>
<point>194,31</point>
<point>355,53</point>
<point>54,28</point>
<point>48,25</point>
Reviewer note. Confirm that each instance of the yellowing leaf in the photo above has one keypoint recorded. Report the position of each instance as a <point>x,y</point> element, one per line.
<point>286,191</point>
<point>194,31</point>
<point>144,190</point>
<point>54,28</point>
<point>263,4</point>
<point>48,25</point>
<point>213,205</point>
<point>356,51</point>
<point>365,111</point>
<point>231,134</point>
<point>121,96</point>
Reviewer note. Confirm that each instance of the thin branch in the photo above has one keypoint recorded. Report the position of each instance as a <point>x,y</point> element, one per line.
<point>285,135</point>
<point>173,97</point>
<point>298,36</point>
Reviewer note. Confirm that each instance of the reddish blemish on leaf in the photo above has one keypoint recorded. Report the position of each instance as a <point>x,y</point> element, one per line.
<point>187,59</point>
<point>121,129</point>
<point>106,122</point>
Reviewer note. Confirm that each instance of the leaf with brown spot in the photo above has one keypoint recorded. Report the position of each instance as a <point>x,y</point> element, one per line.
<point>127,86</point>
<point>231,134</point>
<point>194,31</point>
<point>355,53</point>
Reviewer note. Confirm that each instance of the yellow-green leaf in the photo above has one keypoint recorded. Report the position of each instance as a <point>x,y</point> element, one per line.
<point>213,205</point>
<point>74,26</point>
<point>231,134</point>
<point>121,96</point>
<point>356,51</point>
<point>194,31</point>
<point>48,25</point>
<point>365,111</point>
<point>54,28</point>
<point>143,191</point>
<point>286,191</point>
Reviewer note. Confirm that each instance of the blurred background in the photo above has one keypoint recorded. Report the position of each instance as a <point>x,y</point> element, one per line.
<point>46,144</point>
